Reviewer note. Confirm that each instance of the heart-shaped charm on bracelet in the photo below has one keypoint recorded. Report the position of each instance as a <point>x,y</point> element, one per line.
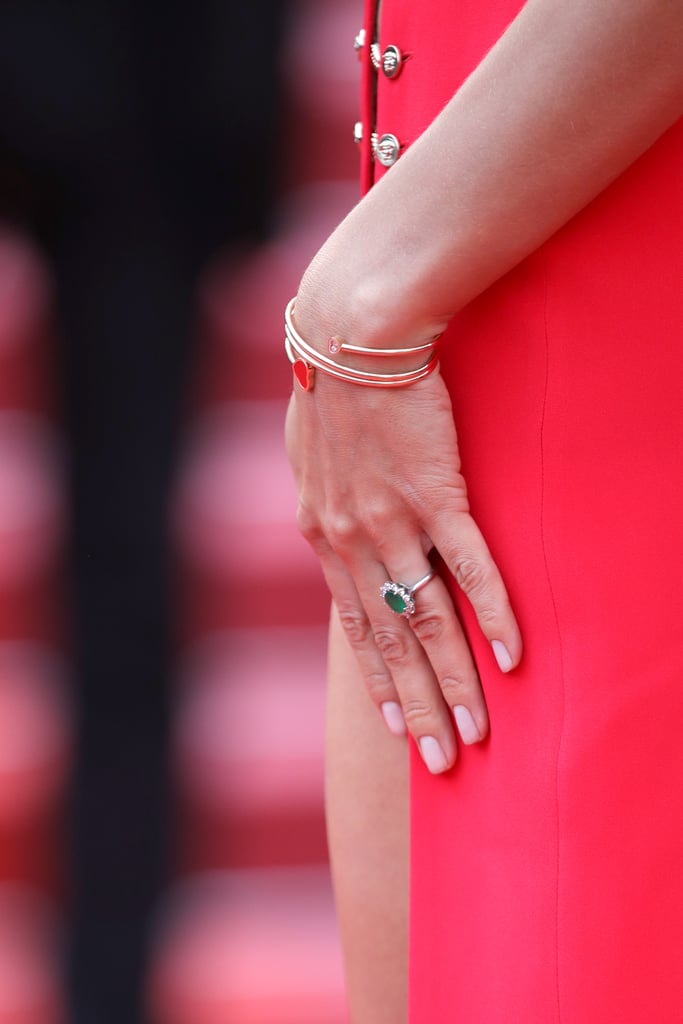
<point>304,373</point>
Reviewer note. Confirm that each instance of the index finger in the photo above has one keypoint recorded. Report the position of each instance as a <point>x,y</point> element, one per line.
<point>462,547</point>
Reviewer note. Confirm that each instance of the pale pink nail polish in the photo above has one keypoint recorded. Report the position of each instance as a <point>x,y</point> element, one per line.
<point>432,754</point>
<point>502,655</point>
<point>467,728</point>
<point>393,716</point>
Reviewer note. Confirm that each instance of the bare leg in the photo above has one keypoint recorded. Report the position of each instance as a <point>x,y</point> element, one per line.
<point>367,813</point>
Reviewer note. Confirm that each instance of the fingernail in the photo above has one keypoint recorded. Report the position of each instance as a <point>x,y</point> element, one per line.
<point>466,724</point>
<point>432,754</point>
<point>393,716</point>
<point>502,655</point>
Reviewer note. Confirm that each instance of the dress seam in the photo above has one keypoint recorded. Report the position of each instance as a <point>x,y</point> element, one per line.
<point>559,640</point>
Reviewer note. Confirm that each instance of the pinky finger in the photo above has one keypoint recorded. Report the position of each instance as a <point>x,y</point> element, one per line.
<point>358,632</point>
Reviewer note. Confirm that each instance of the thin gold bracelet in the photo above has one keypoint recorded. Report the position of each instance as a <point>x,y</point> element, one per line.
<point>306,360</point>
<point>336,344</point>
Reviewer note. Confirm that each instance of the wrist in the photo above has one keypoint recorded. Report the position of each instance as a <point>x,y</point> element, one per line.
<point>368,366</point>
<point>370,309</point>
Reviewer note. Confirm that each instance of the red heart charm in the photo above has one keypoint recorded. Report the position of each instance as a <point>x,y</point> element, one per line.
<point>304,373</point>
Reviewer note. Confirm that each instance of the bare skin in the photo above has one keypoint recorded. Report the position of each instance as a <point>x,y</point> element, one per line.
<point>367,813</point>
<point>566,100</point>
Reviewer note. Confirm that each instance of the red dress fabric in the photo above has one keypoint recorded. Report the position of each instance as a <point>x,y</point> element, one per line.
<point>547,866</point>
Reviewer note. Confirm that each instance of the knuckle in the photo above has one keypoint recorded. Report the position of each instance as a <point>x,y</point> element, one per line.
<point>471,576</point>
<point>378,685</point>
<point>355,623</point>
<point>308,523</point>
<point>416,712</point>
<point>456,688</point>
<point>428,627</point>
<point>487,615</point>
<point>391,644</point>
<point>379,516</point>
<point>341,532</point>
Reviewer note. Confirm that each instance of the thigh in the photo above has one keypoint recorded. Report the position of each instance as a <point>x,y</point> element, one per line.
<point>367,812</point>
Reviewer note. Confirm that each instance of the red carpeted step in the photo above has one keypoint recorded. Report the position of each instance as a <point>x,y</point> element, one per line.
<point>321,79</point>
<point>36,741</point>
<point>243,296</point>
<point>32,527</point>
<point>36,732</point>
<point>26,334</point>
<point>30,989</point>
<point>248,749</point>
<point>32,501</point>
<point>257,947</point>
<point>242,560</point>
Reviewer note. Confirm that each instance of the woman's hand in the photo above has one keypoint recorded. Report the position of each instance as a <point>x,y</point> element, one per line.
<point>379,485</point>
<point>523,145</point>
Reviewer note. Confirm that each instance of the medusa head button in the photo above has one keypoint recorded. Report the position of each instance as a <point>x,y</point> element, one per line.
<point>387,149</point>
<point>389,63</point>
<point>392,62</point>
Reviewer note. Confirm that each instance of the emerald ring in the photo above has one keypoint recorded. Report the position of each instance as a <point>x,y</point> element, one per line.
<point>399,596</point>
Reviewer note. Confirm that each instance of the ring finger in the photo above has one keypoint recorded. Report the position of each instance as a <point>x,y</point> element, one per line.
<point>426,713</point>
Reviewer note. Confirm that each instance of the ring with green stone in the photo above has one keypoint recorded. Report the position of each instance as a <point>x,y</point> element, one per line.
<point>399,596</point>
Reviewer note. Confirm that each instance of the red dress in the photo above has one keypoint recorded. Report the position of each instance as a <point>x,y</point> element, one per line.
<point>547,866</point>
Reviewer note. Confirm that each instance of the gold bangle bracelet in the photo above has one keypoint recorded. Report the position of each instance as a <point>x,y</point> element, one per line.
<point>336,344</point>
<point>306,360</point>
<point>304,370</point>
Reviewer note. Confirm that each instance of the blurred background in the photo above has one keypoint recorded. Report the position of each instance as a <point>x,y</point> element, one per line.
<point>166,173</point>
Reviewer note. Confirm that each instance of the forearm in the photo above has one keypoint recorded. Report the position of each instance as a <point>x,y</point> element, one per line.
<point>565,101</point>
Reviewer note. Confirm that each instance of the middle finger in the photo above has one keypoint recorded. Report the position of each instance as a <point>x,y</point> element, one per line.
<point>426,713</point>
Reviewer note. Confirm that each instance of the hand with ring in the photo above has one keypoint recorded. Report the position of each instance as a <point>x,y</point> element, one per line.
<point>379,488</point>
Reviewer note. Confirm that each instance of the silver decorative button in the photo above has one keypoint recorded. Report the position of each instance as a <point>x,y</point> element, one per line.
<point>358,132</point>
<point>387,149</point>
<point>392,61</point>
<point>359,42</point>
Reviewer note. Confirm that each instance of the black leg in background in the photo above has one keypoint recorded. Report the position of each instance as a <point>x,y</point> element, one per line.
<point>135,139</point>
